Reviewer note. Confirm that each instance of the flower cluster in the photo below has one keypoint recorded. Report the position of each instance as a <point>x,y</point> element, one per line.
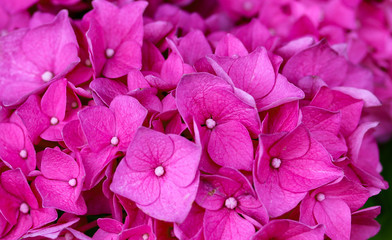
<point>193,119</point>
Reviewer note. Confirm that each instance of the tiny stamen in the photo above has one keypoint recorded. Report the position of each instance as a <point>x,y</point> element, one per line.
<point>210,123</point>
<point>114,141</point>
<point>23,153</point>
<point>320,197</point>
<point>276,162</point>
<point>145,236</point>
<point>74,105</point>
<point>231,203</point>
<point>24,208</point>
<point>54,120</point>
<point>72,182</point>
<point>47,76</point>
<point>159,171</point>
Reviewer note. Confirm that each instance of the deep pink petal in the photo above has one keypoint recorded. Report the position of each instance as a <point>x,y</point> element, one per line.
<point>99,126</point>
<point>143,187</point>
<point>336,216</point>
<point>183,164</point>
<point>226,224</point>
<point>289,229</point>
<point>53,160</point>
<point>231,146</point>
<point>130,115</point>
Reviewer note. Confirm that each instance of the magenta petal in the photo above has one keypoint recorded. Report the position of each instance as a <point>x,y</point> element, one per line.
<point>231,146</point>
<point>110,225</point>
<point>60,195</point>
<point>289,229</point>
<point>52,231</point>
<point>307,178</point>
<point>283,92</point>
<point>99,126</point>
<point>226,224</point>
<point>33,118</point>
<point>319,60</point>
<point>276,199</point>
<point>293,145</point>
<point>202,96</point>
<point>53,160</point>
<point>230,46</point>
<point>13,142</point>
<point>214,190</point>
<point>108,89</point>
<point>20,228</point>
<point>141,187</point>
<point>145,155</point>
<point>364,226</point>
<point>174,203</point>
<point>194,46</point>
<point>130,115</point>
<point>183,164</point>
<point>54,101</point>
<point>48,48</point>
<point>14,182</point>
<point>123,61</point>
<point>254,73</point>
<point>336,216</point>
<point>73,135</point>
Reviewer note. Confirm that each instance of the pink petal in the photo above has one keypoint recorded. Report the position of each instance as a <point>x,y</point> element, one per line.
<point>174,202</point>
<point>60,195</point>
<point>143,187</point>
<point>231,146</point>
<point>99,126</point>
<point>289,229</point>
<point>226,224</point>
<point>230,46</point>
<point>12,142</point>
<point>108,89</point>
<point>214,190</point>
<point>144,154</point>
<point>194,46</point>
<point>53,160</point>
<point>33,118</point>
<point>54,101</point>
<point>336,216</point>
<point>363,224</point>
<point>130,115</point>
<point>183,164</point>
<point>14,182</point>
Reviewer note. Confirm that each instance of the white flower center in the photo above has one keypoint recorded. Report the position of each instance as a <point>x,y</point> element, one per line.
<point>109,53</point>
<point>54,120</point>
<point>320,197</point>
<point>114,141</point>
<point>145,236</point>
<point>72,182</point>
<point>210,123</point>
<point>24,208</point>
<point>159,171</point>
<point>276,162</point>
<point>47,76</point>
<point>231,203</point>
<point>23,153</point>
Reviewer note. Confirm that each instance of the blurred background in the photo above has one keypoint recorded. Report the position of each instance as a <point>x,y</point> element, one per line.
<point>384,199</point>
